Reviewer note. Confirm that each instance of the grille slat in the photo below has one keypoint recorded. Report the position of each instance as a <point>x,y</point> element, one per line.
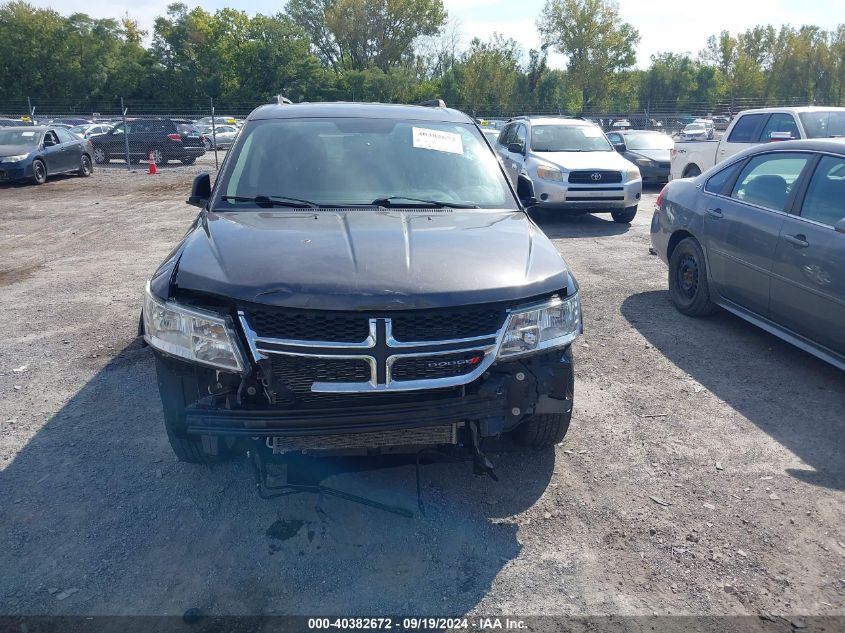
<point>297,373</point>
<point>586,177</point>
<point>433,367</point>
<point>442,326</point>
<point>424,436</point>
<point>310,326</point>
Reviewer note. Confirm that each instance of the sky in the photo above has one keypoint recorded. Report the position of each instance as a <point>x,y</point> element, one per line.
<point>664,25</point>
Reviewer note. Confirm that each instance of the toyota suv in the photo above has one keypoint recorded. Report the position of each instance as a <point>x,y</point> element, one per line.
<point>360,277</point>
<point>568,165</point>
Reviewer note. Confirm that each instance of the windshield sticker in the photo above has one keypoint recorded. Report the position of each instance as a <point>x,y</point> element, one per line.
<point>592,132</point>
<point>426,138</point>
<point>27,133</point>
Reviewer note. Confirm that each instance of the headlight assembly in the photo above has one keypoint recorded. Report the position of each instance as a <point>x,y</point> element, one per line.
<point>555,323</point>
<point>13,159</point>
<point>192,334</point>
<point>550,173</point>
<point>645,162</point>
<point>632,174</point>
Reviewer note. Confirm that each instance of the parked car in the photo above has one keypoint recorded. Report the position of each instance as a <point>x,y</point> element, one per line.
<point>721,122</point>
<point>492,135</point>
<point>91,129</point>
<point>694,132</point>
<point>391,293</point>
<point>164,139</point>
<point>621,124</point>
<point>709,127</point>
<point>762,235</point>
<point>11,122</point>
<point>218,120</point>
<point>649,151</point>
<point>751,127</point>
<point>568,165</point>
<point>225,135</point>
<point>68,122</point>
<point>35,153</point>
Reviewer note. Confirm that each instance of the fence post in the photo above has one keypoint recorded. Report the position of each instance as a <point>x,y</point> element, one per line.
<point>214,133</point>
<point>125,133</point>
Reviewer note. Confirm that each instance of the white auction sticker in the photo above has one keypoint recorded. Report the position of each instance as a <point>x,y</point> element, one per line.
<point>426,138</point>
<point>591,132</point>
<point>27,133</point>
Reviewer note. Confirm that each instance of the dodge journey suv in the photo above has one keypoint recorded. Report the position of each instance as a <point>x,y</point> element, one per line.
<point>360,278</point>
<point>571,166</point>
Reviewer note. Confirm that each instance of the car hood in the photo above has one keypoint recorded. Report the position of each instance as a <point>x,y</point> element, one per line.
<point>657,155</point>
<point>362,259</point>
<point>571,161</point>
<point>15,150</point>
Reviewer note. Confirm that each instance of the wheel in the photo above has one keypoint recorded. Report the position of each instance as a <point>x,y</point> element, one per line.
<point>688,285</point>
<point>39,172</point>
<point>692,171</point>
<point>626,216</point>
<point>85,167</point>
<point>172,387</point>
<point>542,430</point>
<point>158,156</point>
<point>206,144</point>
<point>189,161</point>
<point>100,156</point>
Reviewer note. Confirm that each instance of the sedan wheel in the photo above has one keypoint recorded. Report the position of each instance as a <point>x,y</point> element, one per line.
<point>100,156</point>
<point>688,285</point>
<point>39,172</point>
<point>157,156</point>
<point>85,166</point>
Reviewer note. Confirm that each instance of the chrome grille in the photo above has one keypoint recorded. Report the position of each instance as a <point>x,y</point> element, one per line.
<point>428,367</point>
<point>595,177</point>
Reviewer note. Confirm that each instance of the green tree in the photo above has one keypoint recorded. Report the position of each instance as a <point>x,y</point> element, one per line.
<point>596,42</point>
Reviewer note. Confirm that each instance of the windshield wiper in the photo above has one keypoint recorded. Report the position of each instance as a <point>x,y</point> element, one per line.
<point>274,201</point>
<point>387,201</point>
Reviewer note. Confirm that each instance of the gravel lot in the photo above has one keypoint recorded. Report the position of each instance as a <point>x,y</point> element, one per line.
<point>703,473</point>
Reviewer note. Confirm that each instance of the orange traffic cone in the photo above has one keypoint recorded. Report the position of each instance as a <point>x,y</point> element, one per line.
<point>153,169</point>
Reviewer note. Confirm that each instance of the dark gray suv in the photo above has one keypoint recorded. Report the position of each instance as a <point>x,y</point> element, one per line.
<point>763,236</point>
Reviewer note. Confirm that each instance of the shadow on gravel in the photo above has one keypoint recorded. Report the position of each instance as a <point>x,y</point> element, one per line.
<point>794,397</point>
<point>96,502</point>
<point>558,225</point>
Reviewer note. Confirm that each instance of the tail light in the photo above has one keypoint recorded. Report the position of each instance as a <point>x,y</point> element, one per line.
<point>659,202</point>
<point>175,137</point>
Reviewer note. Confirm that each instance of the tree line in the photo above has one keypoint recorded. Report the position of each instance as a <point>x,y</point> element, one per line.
<point>400,51</point>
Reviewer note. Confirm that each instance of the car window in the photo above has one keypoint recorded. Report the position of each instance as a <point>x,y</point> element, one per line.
<point>506,135</point>
<point>50,138</point>
<point>353,161</point>
<point>826,192</point>
<point>782,123</point>
<point>648,141</point>
<point>188,129</point>
<point>716,183</point>
<point>569,138</point>
<point>743,130</point>
<point>823,123</point>
<point>65,136</point>
<point>519,135</point>
<point>22,138</point>
<point>615,138</point>
<point>767,179</point>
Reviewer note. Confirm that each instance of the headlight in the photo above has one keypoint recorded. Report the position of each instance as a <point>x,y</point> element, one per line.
<point>632,174</point>
<point>191,334</point>
<point>13,159</point>
<point>552,324</point>
<point>645,162</point>
<point>550,173</point>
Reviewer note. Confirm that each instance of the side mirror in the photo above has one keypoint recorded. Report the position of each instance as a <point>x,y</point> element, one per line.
<point>516,148</point>
<point>48,142</point>
<point>200,190</point>
<point>840,226</point>
<point>619,147</point>
<point>525,192</point>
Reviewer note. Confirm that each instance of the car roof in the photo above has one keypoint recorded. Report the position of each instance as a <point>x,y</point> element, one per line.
<point>357,110</point>
<point>551,120</point>
<point>833,145</point>
<point>795,110</point>
<point>28,128</point>
<point>627,132</point>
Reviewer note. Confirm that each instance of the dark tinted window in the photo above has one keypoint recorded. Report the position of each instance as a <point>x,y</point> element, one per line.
<point>780,123</point>
<point>50,138</point>
<point>507,134</point>
<point>744,129</point>
<point>767,179</point>
<point>826,192</point>
<point>717,181</point>
<point>188,129</point>
<point>823,123</point>
<point>519,136</point>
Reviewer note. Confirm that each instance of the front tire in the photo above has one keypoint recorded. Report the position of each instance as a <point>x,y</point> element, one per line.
<point>626,216</point>
<point>542,430</point>
<point>157,155</point>
<point>688,286</point>
<point>100,156</point>
<point>39,172</point>
<point>692,171</point>
<point>85,167</point>
<point>189,161</point>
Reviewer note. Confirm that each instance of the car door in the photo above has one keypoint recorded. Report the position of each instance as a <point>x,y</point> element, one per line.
<point>742,226</point>
<point>808,276</point>
<point>515,161</point>
<point>744,134</point>
<point>780,126</point>
<point>71,150</point>
<point>508,136</point>
<point>52,152</point>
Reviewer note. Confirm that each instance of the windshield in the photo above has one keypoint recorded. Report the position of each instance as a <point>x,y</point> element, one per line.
<point>568,138</point>
<point>694,128</point>
<point>356,161</point>
<point>823,124</point>
<point>187,129</point>
<point>648,141</point>
<point>19,137</point>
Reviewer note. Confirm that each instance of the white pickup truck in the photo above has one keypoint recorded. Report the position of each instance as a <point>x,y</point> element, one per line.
<point>751,127</point>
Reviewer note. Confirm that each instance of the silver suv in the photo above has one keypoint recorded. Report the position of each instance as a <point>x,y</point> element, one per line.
<point>569,165</point>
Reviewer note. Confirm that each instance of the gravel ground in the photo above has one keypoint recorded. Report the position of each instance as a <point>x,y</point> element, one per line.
<point>703,472</point>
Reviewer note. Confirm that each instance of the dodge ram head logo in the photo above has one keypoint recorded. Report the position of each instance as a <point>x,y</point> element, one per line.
<point>436,364</point>
<point>595,176</point>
